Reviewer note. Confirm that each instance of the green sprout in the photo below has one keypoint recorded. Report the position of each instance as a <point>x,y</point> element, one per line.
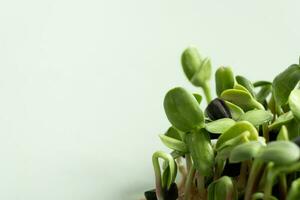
<point>244,145</point>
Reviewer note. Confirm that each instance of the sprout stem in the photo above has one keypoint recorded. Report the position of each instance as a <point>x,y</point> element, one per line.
<point>207,92</point>
<point>255,174</point>
<point>189,182</point>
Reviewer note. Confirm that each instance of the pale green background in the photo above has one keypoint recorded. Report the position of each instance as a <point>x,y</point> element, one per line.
<point>82,84</point>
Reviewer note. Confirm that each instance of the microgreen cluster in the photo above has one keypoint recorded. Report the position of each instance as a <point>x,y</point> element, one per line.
<point>244,145</point>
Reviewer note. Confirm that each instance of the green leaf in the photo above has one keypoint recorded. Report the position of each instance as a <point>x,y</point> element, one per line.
<point>263,94</point>
<point>235,110</point>
<point>220,125</point>
<point>280,152</point>
<point>244,152</point>
<point>203,74</point>
<point>225,149</point>
<point>198,97</point>
<point>182,110</point>
<point>283,134</point>
<point>173,144</point>
<point>282,120</point>
<point>201,151</point>
<point>224,79</point>
<point>242,99</point>
<point>236,130</point>
<point>293,128</point>
<point>257,117</point>
<point>240,87</point>
<point>294,103</point>
<point>284,83</point>
<point>191,61</point>
<point>175,134</point>
<point>246,83</point>
<point>294,192</point>
<point>261,83</point>
<point>222,189</point>
<point>197,70</point>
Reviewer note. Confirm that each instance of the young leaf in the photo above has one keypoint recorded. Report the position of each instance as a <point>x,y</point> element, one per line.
<point>182,110</point>
<point>240,87</point>
<point>220,125</point>
<point>222,189</point>
<point>284,83</point>
<point>261,83</point>
<point>175,134</point>
<point>191,61</point>
<point>198,97</point>
<point>257,117</point>
<point>242,99</point>
<point>201,150</point>
<point>264,92</point>
<point>279,152</point>
<point>236,130</point>
<point>224,79</point>
<point>246,83</point>
<point>197,70</point>
<point>235,110</point>
<point>282,120</point>
<point>294,192</point>
<point>283,134</point>
<point>294,102</point>
<point>225,149</point>
<point>244,152</point>
<point>173,144</point>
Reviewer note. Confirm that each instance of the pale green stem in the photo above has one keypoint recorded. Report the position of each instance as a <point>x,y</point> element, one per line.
<point>207,92</point>
<point>254,176</point>
<point>274,173</point>
<point>189,183</point>
<point>266,132</point>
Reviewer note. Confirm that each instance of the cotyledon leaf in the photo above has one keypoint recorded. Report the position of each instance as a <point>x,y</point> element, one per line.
<point>224,79</point>
<point>242,99</point>
<point>246,83</point>
<point>182,110</point>
<point>198,97</point>
<point>201,151</point>
<point>257,117</point>
<point>244,151</point>
<point>294,103</point>
<point>283,134</point>
<point>279,152</point>
<point>281,120</point>
<point>235,110</point>
<point>294,192</point>
<point>284,83</point>
<point>222,189</point>
<point>236,130</point>
<point>173,144</point>
<point>220,125</point>
<point>225,149</point>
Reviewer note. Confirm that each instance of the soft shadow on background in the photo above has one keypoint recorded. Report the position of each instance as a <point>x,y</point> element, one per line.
<point>82,84</point>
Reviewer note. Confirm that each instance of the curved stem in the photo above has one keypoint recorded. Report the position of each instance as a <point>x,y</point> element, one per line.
<point>157,171</point>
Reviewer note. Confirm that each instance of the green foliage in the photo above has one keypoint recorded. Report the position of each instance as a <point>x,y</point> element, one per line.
<point>252,129</point>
